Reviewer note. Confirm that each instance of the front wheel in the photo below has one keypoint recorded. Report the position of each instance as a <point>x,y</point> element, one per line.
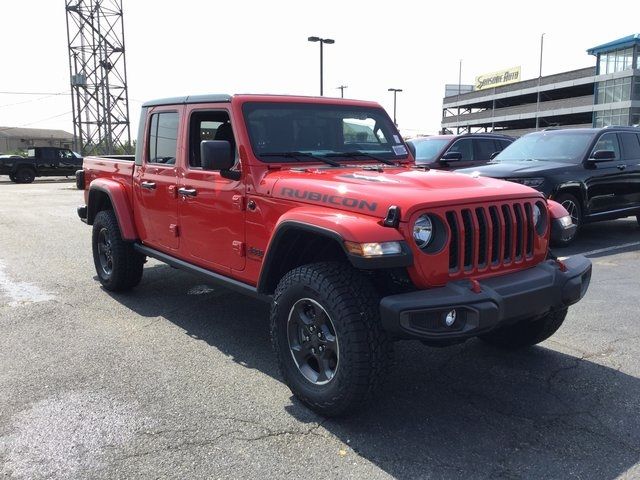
<point>118,265</point>
<point>325,331</point>
<point>571,205</point>
<point>527,332</point>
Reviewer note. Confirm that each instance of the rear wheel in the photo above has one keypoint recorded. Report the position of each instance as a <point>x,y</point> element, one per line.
<point>325,330</point>
<point>118,265</point>
<point>526,332</point>
<point>571,205</point>
<point>12,177</point>
<point>25,175</point>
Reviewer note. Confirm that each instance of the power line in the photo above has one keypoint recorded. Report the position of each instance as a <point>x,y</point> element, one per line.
<point>29,101</point>
<point>36,121</point>
<point>35,93</point>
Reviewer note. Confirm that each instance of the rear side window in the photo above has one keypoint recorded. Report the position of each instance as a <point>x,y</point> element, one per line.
<point>163,138</point>
<point>484,148</point>
<point>630,145</point>
<point>608,141</point>
<point>465,147</point>
<point>503,144</point>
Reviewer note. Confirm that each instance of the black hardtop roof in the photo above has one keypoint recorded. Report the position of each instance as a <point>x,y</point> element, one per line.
<point>209,98</point>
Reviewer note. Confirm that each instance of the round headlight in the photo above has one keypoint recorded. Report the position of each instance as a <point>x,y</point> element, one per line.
<point>423,231</point>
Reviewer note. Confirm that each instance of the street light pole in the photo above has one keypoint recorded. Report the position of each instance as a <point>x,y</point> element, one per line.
<point>322,41</point>
<point>341,88</point>
<point>395,92</point>
<point>539,77</point>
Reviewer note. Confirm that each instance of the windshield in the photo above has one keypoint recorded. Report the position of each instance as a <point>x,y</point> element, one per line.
<point>427,149</point>
<point>279,132</point>
<point>547,146</point>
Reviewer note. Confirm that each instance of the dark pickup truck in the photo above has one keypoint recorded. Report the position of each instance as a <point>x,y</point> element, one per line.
<point>41,162</point>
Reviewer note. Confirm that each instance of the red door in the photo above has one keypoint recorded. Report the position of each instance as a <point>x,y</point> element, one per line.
<point>210,207</point>
<point>155,183</point>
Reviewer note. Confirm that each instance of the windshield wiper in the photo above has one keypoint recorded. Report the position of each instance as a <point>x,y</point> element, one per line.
<point>298,155</point>
<point>358,153</point>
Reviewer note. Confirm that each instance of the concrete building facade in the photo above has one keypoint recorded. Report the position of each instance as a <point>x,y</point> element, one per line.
<point>17,138</point>
<point>605,94</point>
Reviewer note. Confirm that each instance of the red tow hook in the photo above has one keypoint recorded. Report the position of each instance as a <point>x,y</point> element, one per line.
<point>561,265</point>
<point>475,286</point>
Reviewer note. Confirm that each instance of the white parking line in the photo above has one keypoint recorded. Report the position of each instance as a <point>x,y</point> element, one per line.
<point>607,249</point>
<point>21,292</point>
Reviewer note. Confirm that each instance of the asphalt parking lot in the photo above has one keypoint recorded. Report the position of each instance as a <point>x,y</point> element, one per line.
<point>177,380</point>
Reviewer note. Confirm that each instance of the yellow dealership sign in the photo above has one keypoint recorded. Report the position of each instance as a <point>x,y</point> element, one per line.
<point>497,79</point>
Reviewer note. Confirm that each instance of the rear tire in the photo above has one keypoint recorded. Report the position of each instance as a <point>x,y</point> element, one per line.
<point>526,332</point>
<point>572,205</point>
<point>25,175</point>
<point>118,265</point>
<point>326,334</point>
<point>12,177</point>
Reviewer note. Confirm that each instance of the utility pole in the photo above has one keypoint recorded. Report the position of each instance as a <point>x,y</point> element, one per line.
<point>539,78</point>
<point>341,88</point>
<point>395,92</point>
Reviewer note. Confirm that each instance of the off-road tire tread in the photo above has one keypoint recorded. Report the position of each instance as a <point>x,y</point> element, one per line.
<point>526,333</point>
<point>127,263</point>
<point>352,298</point>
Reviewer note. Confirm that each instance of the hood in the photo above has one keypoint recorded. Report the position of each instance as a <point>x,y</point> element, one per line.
<point>372,192</point>
<point>516,169</point>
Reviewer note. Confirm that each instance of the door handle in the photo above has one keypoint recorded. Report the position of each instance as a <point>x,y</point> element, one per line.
<point>148,185</point>
<point>621,167</point>
<point>188,192</point>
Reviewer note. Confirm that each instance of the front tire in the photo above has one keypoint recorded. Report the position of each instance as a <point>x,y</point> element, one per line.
<point>118,265</point>
<point>325,331</point>
<point>526,332</point>
<point>572,205</point>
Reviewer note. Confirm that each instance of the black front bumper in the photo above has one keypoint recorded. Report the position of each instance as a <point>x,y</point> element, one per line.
<point>500,300</point>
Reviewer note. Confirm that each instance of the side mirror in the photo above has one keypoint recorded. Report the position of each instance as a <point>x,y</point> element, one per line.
<point>451,157</point>
<point>603,156</point>
<point>493,155</point>
<point>216,155</point>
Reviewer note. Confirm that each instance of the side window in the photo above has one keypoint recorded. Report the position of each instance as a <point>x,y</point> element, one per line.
<point>608,141</point>
<point>630,146</point>
<point>503,144</point>
<point>212,125</point>
<point>163,138</point>
<point>465,147</point>
<point>484,148</point>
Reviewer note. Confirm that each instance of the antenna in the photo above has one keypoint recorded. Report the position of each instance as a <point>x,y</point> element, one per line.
<point>97,66</point>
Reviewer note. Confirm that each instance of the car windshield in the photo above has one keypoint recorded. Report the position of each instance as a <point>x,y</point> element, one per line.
<point>298,132</point>
<point>428,149</point>
<point>547,146</point>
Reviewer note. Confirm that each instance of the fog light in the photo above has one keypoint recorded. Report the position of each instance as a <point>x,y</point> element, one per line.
<point>450,319</point>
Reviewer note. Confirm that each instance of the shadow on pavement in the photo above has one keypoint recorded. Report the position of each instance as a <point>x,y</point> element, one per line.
<point>596,236</point>
<point>467,411</point>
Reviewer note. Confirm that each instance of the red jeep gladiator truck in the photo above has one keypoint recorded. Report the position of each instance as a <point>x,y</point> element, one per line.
<point>316,205</point>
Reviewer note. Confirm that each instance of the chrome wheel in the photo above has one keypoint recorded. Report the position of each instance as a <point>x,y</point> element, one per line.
<point>105,253</point>
<point>313,342</point>
<point>573,210</point>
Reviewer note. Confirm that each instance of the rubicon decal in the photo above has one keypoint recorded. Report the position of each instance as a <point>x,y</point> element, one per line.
<point>329,199</point>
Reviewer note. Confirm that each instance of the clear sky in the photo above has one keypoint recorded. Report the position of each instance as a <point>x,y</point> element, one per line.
<point>191,46</point>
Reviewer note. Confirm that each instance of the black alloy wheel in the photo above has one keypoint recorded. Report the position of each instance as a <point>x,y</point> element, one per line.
<point>313,342</point>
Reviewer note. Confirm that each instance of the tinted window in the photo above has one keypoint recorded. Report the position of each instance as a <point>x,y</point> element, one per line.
<point>465,147</point>
<point>608,141</point>
<point>212,125</point>
<point>428,149</point>
<point>163,138</point>
<point>504,144</point>
<point>548,146</point>
<point>484,148</point>
<point>278,130</point>
<point>630,145</point>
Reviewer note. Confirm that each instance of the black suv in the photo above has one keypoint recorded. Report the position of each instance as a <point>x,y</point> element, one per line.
<point>450,152</point>
<point>593,172</point>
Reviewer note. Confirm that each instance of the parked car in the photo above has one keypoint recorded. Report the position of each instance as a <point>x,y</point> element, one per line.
<point>451,152</point>
<point>353,247</point>
<point>593,172</point>
<point>40,162</point>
